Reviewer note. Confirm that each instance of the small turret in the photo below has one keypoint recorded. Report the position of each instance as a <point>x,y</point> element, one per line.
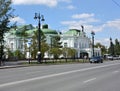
<point>45,26</point>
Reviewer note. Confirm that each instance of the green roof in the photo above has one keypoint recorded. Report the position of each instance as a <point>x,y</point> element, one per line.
<point>31,32</point>
<point>72,32</point>
<point>29,29</point>
<point>46,30</point>
<point>49,31</point>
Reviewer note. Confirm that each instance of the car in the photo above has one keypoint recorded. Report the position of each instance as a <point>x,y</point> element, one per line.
<point>116,57</point>
<point>110,57</point>
<point>96,59</point>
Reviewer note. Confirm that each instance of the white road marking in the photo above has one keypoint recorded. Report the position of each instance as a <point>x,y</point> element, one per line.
<point>54,75</point>
<point>115,71</point>
<point>89,80</point>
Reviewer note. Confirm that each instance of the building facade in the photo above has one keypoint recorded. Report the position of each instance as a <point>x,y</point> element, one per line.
<point>73,38</point>
<point>78,40</point>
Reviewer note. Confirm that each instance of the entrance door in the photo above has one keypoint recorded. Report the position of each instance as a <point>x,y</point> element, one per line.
<point>83,54</point>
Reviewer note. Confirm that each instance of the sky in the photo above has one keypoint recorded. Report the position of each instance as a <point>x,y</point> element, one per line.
<point>100,16</point>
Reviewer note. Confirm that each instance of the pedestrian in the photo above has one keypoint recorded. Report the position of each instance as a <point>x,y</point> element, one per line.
<point>85,58</point>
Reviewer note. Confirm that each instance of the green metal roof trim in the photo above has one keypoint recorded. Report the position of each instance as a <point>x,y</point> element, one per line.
<point>49,31</point>
<point>25,27</point>
<point>31,32</point>
<point>45,31</point>
<point>29,29</point>
<point>73,32</point>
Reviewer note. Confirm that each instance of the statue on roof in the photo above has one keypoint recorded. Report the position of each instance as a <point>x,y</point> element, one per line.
<point>82,28</point>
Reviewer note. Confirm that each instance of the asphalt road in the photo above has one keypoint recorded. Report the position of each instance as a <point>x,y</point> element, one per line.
<point>69,77</point>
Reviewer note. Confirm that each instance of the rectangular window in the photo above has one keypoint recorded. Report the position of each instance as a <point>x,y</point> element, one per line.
<point>65,44</point>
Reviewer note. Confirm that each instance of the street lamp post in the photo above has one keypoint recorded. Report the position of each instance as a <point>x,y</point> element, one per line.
<point>40,18</point>
<point>93,33</point>
<point>111,47</point>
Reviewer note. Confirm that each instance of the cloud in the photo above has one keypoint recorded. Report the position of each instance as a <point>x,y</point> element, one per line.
<point>18,20</point>
<point>82,16</point>
<point>90,23</point>
<point>104,41</point>
<point>113,24</point>
<point>84,19</point>
<point>67,1</point>
<point>87,18</point>
<point>81,19</point>
<point>50,3</point>
<point>71,7</point>
<point>88,27</point>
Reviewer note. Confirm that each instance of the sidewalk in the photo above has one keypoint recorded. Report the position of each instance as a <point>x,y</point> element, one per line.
<point>12,65</point>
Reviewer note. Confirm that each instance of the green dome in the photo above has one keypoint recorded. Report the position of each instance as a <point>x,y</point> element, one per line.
<point>12,31</point>
<point>72,32</point>
<point>31,32</point>
<point>45,30</point>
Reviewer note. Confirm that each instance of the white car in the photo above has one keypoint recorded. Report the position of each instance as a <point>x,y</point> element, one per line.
<point>110,57</point>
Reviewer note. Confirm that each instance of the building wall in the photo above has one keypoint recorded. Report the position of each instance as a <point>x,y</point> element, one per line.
<point>14,43</point>
<point>78,41</point>
<point>82,44</point>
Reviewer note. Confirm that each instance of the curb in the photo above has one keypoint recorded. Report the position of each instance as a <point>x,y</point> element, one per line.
<point>16,66</point>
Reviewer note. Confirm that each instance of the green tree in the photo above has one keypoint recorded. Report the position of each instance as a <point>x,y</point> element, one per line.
<point>5,15</point>
<point>69,52</point>
<point>21,32</point>
<point>55,42</point>
<point>111,49</point>
<point>117,47</point>
<point>56,52</point>
<point>102,47</point>
<point>55,46</point>
<point>44,48</point>
<point>18,54</point>
<point>34,45</point>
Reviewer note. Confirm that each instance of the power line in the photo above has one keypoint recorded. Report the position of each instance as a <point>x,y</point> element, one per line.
<point>116,3</point>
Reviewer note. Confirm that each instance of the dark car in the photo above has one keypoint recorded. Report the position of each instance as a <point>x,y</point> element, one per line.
<point>97,59</point>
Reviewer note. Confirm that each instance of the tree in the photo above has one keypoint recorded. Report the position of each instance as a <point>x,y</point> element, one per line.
<point>56,52</point>
<point>9,53</point>
<point>102,47</point>
<point>5,15</point>
<point>117,47</point>
<point>55,46</point>
<point>55,42</point>
<point>69,52</point>
<point>21,32</point>
<point>44,48</point>
<point>18,54</point>
<point>111,48</point>
<point>34,45</point>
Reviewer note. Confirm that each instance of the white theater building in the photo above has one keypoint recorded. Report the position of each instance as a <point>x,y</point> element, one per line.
<point>73,38</point>
<point>78,40</point>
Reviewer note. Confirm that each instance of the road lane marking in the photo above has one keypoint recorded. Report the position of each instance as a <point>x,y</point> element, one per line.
<point>54,75</point>
<point>115,71</point>
<point>89,80</point>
